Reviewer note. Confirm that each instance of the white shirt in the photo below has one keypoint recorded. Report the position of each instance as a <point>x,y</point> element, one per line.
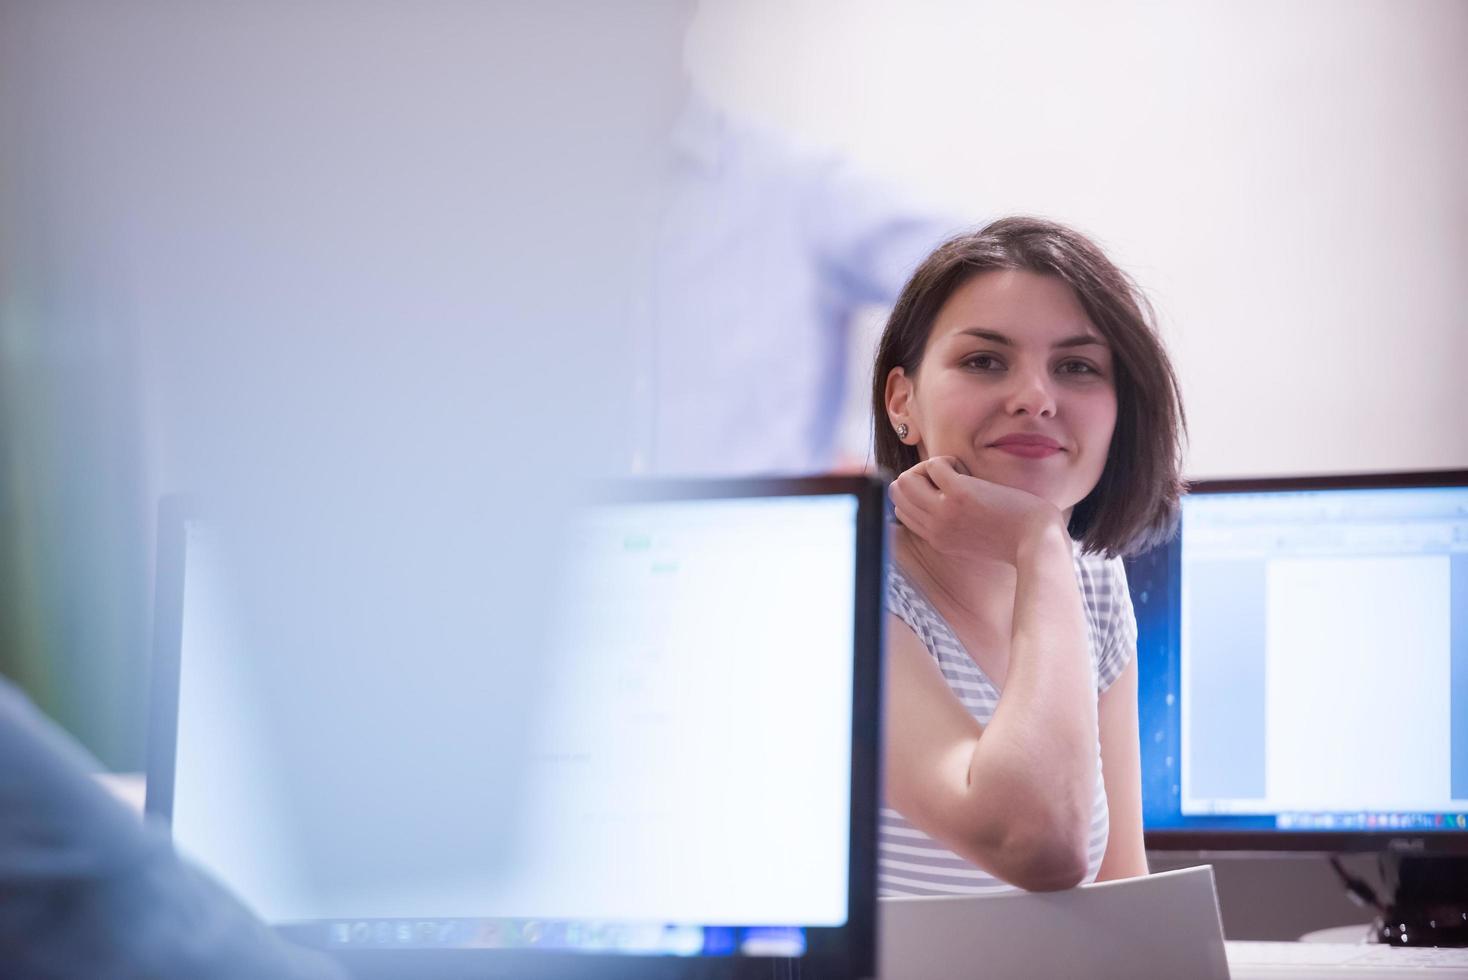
<point>762,254</point>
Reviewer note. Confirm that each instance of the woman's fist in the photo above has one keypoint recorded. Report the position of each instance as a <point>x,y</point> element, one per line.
<point>965,518</point>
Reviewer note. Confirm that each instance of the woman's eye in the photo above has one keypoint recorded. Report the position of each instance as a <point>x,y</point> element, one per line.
<point>983,362</point>
<point>1077,367</point>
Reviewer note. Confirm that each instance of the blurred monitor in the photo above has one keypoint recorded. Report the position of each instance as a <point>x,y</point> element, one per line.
<point>1303,648</point>
<point>697,781</point>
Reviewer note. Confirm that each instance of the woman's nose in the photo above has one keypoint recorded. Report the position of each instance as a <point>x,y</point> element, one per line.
<point>1031,394</point>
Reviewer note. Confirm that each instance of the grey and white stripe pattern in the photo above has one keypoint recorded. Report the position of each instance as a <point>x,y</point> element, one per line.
<point>909,861</point>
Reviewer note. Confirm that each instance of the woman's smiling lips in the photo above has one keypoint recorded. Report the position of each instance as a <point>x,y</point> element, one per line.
<point>1027,445</point>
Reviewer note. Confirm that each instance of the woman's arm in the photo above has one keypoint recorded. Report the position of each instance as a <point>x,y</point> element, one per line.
<point>1016,801</point>
<point>1121,768</point>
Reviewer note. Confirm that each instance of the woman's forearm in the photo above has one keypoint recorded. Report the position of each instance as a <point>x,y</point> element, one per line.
<point>1037,759</point>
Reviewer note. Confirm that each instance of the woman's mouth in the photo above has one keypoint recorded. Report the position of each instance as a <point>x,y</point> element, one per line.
<point>1027,445</point>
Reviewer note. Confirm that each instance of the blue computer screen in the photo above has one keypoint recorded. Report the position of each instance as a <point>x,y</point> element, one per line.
<point>1304,662</point>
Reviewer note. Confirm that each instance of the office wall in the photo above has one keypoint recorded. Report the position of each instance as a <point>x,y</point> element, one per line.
<point>1285,180</point>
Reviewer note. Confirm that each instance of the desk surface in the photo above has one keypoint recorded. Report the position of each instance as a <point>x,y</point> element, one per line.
<point>1361,961</point>
<point>1359,932</point>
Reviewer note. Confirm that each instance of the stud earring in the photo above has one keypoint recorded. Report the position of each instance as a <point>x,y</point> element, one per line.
<point>902,430</point>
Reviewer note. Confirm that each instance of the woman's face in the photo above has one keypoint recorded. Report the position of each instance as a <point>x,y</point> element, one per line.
<point>1017,383</point>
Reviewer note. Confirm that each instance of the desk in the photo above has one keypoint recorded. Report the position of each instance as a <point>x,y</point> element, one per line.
<point>1341,961</point>
<point>1355,933</point>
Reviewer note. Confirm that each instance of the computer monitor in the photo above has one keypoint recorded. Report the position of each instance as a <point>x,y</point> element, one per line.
<point>1303,656</point>
<point>699,780</point>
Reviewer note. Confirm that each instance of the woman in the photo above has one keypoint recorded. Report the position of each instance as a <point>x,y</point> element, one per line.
<point>1034,421</point>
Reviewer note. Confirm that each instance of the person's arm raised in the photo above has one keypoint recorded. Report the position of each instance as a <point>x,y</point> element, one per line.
<point>1014,797</point>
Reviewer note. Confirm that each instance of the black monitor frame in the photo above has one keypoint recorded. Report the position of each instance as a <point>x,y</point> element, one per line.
<point>1167,559</point>
<point>847,951</point>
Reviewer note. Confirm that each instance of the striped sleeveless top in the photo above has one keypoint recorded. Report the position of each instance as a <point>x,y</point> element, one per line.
<point>909,862</point>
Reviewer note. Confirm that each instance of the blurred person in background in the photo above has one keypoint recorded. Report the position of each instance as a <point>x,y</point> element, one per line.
<point>89,892</point>
<point>766,253</point>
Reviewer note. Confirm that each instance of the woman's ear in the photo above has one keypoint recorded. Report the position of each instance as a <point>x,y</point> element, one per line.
<point>900,405</point>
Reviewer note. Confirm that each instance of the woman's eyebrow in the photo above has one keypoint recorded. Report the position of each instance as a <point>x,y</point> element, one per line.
<point>995,337</point>
<point>1081,340</point>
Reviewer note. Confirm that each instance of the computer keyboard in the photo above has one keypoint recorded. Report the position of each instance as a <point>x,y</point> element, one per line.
<point>1357,960</point>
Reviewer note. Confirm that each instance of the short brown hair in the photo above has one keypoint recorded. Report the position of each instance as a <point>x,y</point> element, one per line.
<point>1135,502</point>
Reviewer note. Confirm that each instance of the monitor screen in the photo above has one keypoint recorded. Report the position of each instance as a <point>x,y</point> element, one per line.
<point>1304,665</point>
<point>691,780</point>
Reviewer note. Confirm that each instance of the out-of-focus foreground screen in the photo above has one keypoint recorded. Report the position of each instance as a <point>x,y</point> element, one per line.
<point>678,777</point>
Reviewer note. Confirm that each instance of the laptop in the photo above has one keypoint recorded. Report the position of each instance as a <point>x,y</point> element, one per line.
<point>1160,926</point>
<point>672,773</point>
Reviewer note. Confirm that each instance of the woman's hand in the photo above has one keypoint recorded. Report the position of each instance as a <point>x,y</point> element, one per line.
<point>967,519</point>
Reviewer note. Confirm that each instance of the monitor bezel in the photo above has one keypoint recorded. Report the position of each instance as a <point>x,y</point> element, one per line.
<point>842,951</point>
<point>1416,842</point>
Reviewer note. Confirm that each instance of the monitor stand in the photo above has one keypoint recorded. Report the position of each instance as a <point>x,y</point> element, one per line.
<point>1425,901</point>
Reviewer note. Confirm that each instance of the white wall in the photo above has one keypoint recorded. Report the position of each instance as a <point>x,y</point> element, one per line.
<point>1285,180</point>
